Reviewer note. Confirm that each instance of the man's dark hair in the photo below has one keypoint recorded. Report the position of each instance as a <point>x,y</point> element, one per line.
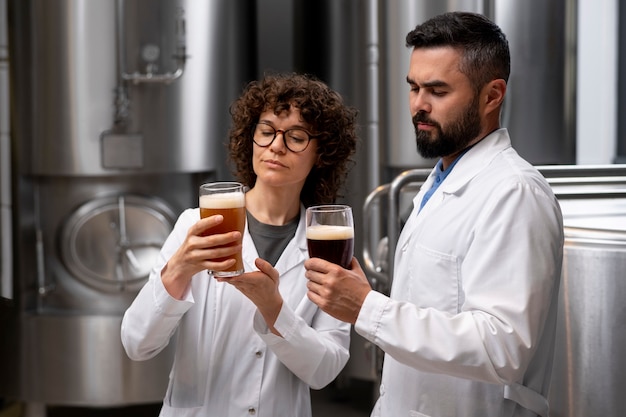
<point>484,48</point>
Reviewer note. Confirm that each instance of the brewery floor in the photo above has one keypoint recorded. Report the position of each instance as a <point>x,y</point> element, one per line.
<point>354,401</point>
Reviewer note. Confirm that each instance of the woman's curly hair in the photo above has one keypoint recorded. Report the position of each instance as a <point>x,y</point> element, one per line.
<point>332,122</point>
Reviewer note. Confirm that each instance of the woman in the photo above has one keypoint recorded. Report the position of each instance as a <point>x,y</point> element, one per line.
<point>253,344</point>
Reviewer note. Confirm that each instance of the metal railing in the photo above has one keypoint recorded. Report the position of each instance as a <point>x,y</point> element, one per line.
<point>568,182</point>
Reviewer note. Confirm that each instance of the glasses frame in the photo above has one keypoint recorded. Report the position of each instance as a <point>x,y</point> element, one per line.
<point>284,135</point>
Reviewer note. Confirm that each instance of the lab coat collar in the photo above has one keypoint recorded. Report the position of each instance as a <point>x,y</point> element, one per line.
<point>296,251</point>
<point>300,237</point>
<point>475,160</point>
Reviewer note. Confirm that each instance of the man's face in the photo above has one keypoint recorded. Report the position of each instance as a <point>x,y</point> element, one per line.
<point>444,107</point>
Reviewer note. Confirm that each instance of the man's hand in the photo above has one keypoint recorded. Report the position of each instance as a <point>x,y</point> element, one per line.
<point>337,291</point>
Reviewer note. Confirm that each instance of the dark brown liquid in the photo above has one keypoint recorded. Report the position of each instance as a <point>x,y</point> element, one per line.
<point>339,252</point>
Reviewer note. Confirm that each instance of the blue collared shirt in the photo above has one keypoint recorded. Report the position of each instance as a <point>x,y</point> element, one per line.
<point>440,175</point>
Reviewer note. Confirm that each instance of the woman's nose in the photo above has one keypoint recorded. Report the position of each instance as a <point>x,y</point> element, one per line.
<point>278,144</point>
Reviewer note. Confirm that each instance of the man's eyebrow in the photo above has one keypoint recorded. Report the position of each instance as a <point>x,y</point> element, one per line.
<point>435,83</point>
<point>428,84</point>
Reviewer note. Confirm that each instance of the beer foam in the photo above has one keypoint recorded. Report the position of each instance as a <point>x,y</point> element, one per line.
<point>327,232</point>
<point>223,200</point>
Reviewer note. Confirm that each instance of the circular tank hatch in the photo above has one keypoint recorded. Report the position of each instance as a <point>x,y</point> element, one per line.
<point>112,243</point>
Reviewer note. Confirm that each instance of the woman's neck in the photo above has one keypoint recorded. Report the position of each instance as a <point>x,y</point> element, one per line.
<point>271,206</point>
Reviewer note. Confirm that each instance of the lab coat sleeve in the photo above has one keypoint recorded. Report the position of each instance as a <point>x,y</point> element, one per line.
<point>316,353</point>
<point>152,318</point>
<point>508,275</point>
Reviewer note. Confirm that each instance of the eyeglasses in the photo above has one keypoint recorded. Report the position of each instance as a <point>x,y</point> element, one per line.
<point>296,139</point>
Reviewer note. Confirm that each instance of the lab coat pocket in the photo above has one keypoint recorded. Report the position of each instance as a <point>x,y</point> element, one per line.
<point>417,414</point>
<point>434,279</point>
<point>188,381</point>
<point>181,397</point>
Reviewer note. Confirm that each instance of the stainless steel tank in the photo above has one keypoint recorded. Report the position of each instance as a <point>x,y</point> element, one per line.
<point>589,375</point>
<point>119,111</point>
<point>129,85</point>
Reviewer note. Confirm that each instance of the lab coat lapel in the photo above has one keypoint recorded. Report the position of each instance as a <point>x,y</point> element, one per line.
<point>248,251</point>
<point>474,161</point>
<point>296,251</point>
<point>467,168</point>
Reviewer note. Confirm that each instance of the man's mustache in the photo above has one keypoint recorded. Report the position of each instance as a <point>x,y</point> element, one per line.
<point>423,118</point>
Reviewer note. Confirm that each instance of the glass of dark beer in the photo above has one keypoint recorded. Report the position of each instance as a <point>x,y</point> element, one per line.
<point>330,233</point>
<point>227,199</point>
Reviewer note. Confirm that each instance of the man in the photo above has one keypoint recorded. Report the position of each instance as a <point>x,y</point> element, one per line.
<point>469,326</point>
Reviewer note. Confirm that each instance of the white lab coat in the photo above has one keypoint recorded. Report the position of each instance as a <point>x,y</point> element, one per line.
<point>469,327</point>
<point>227,363</point>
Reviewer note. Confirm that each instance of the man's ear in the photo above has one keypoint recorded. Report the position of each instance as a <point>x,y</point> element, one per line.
<point>493,94</point>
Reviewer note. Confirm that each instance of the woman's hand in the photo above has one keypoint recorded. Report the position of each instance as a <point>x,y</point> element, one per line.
<point>197,253</point>
<point>261,287</point>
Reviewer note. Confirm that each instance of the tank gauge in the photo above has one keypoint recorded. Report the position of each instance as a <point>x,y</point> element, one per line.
<point>150,52</point>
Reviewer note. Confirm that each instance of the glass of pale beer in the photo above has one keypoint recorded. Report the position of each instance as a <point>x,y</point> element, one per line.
<point>227,199</point>
<point>330,233</point>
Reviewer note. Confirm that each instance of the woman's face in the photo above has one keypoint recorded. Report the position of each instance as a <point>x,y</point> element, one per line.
<point>275,165</point>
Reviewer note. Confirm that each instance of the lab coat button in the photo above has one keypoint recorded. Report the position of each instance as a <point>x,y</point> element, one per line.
<point>251,411</point>
<point>258,354</point>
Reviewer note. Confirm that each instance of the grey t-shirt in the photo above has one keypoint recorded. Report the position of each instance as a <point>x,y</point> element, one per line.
<point>270,240</point>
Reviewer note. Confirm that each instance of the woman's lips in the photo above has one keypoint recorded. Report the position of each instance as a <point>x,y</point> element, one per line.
<point>274,163</point>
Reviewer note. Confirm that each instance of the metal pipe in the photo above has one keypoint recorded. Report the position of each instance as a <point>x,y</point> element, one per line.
<point>393,218</point>
<point>373,95</point>
<point>376,274</point>
<point>43,287</point>
<point>148,77</point>
<point>6,229</point>
<point>122,102</point>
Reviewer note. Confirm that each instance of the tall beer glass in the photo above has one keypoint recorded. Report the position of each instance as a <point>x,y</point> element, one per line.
<point>227,199</point>
<point>330,233</point>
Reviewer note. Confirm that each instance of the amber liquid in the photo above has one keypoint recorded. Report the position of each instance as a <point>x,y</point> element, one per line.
<point>234,219</point>
<point>332,243</point>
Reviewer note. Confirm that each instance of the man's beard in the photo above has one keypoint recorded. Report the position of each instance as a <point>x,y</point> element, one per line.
<point>457,135</point>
